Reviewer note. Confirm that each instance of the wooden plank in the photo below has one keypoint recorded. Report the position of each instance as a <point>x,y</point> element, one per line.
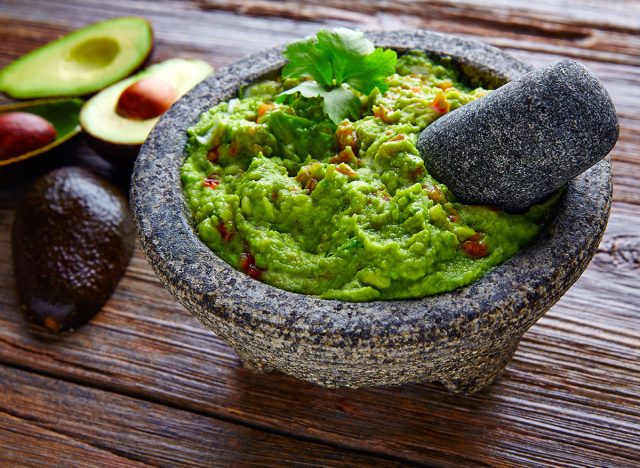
<point>24,443</point>
<point>614,38</point>
<point>570,396</point>
<point>49,422</point>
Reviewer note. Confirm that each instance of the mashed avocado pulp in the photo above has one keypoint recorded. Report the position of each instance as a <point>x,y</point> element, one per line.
<point>343,211</point>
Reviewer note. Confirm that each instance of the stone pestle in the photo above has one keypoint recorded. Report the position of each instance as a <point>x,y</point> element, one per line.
<point>523,141</point>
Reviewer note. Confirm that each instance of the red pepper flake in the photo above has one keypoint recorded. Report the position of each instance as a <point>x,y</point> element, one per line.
<point>263,109</point>
<point>212,182</point>
<point>440,103</point>
<point>213,154</point>
<point>475,249</point>
<point>225,233</point>
<point>444,85</point>
<point>397,138</point>
<point>247,265</point>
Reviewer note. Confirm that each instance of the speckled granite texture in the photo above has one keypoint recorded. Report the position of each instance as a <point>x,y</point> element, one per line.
<point>461,339</point>
<point>524,141</point>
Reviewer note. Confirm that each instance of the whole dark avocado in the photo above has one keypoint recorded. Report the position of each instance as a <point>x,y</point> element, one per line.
<point>73,237</point>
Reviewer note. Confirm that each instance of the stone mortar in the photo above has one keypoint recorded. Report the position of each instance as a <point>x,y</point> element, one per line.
<point>461,339</point>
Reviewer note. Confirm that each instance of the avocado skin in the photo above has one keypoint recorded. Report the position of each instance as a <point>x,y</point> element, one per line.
<point>119,155</point>
<point>73,237</point>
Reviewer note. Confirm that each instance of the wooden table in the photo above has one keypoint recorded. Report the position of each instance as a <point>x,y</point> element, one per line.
<point>145,383</point>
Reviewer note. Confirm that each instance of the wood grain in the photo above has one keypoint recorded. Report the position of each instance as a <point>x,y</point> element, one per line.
<point>571,396</point>
<point>71,423</point>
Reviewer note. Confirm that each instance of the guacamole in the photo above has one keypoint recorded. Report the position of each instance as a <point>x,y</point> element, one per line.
<point>344,211</point>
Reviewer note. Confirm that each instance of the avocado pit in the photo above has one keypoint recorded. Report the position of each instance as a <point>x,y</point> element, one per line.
<point>146,99</point>
<point>118,119</point>
<point>22,132</point>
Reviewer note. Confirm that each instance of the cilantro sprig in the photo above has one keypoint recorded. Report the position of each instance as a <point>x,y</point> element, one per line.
<point>338,63</point>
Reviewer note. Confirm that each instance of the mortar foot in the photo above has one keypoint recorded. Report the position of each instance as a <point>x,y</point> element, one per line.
<point>480,372</point>
<point>254,364</point>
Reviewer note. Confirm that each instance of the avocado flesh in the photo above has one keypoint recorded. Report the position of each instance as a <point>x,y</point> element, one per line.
<point>82,62</point>
<point>63,114</point>
<point>100,119</point>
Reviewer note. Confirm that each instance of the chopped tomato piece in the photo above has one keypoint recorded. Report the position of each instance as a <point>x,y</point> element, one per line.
<point>263,109</point>
<point>475,249</point>
<point>311,185</point>
<point>247,265</point>
<point>347,136</point>
<point>440,103</point>
<point>382,113</point>
<point>246,259</point>
<point>234,148</point>
<point>225,233</point>
<point>212,182</point>
<point>213,155</point>
<point>435,193</point>
<point>344,156</point>
<point>417,172</point>
<point>254,272</point>
<point>346,170</point>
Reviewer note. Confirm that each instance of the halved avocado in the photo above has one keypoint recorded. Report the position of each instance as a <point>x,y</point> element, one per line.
<point>82,62</point>
<point>63,114</point>
<point>119,138</point>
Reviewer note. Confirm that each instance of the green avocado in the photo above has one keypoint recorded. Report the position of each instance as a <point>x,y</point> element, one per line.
<point>118,137</point>
<point>72,240</point>
<point>81,62</point>
<point>345,211</point>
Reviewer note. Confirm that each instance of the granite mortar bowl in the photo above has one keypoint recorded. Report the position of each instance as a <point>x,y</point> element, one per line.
<point>461,339</point>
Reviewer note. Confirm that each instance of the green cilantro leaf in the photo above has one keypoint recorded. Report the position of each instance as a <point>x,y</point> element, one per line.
<point>341,103</point>
<point>306,60</point>
<point>338,103</point>
<point>340,61</point>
